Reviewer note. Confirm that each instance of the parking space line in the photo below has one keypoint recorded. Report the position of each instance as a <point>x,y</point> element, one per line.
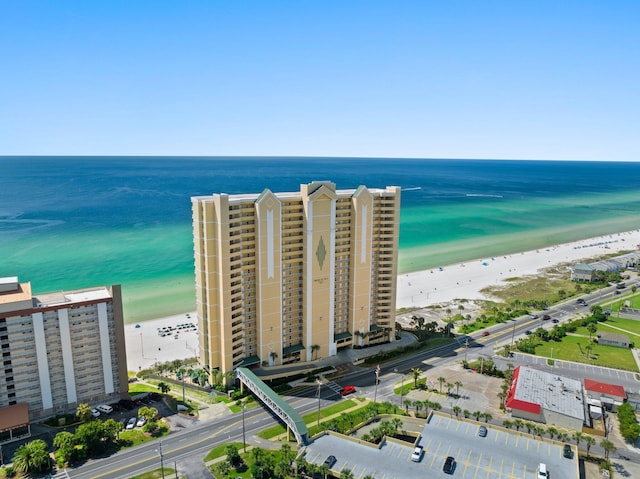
<point>501,467</point>
<point>435,454</point>
<point>401,452</point>
<point>466,463</point>
<point>478,466</point>
<point>490,468</point>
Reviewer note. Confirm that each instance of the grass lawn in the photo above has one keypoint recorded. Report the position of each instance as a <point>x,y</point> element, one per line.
<point>310,418</point>
<point>136,436</point>
<point>168,472</point>
<point>139,388</point>
<point>569,350</point>
<point>219,451</point>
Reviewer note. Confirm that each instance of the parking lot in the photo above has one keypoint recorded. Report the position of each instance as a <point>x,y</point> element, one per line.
<point>501,454</point>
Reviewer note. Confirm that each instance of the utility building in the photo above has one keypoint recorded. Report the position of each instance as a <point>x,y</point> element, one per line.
<point>291,277</point>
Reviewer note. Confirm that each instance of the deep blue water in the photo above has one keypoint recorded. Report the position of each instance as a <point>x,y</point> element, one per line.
<point>81,221</point>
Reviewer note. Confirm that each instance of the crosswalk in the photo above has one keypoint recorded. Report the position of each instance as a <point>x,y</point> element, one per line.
<point>60,475</point>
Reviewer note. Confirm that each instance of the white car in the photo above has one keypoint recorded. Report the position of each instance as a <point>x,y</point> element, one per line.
<point>95,413</point>
<point>131,423</point>
<point>104,408</point>
<point>416,456</point>
<point>141,421</point>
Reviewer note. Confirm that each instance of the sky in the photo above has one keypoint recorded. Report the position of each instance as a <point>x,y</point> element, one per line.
<point>554,80</point>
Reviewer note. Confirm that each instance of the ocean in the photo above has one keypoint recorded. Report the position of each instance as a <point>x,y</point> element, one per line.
<point>74,222</point>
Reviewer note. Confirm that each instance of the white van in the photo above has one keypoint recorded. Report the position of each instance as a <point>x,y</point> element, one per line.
<point>104,408</point>
<point>542,471</point>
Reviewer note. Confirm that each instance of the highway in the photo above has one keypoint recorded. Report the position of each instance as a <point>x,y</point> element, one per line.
<point>187,447</point>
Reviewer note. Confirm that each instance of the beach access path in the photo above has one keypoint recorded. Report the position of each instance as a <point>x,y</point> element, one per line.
<point>418,289</point>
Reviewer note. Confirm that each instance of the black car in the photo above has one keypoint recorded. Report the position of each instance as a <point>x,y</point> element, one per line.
<point>567,451</point>
<point>449,465</point>
<point>527,332</point>
<point>330,461</point>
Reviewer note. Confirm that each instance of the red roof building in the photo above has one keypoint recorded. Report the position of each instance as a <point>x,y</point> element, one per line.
<point>542,397</point>
<point>598,390</point>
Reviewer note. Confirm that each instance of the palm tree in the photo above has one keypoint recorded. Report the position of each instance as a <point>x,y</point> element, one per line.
<point>316,347</point>
<point>588,348</point>
<point>273,355</point>
<point>608,447</point>
<point>552,431</point>
<point>83,413</point>
<point>416,375</point>
<point>592,328</point>
<point>518,423</point>
<point>577,436</point>
<point>458,385</point>
<point>164,387</point>
<point>407,403</point>
<point>457,410</point>
<point>441,380</point>
<point>449,388</point>
<point>346,474</point>
<point>477,414</point>
<point>466,413</point>
<point>507,423</point>
<point>589,441</point>
<point>31,457</point>
<point>634,288</point>
<point>530,426</point>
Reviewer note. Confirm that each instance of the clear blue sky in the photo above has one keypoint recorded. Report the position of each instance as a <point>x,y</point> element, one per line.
<point>448,79</point>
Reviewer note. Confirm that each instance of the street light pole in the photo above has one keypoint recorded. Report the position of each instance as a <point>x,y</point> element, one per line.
<point>244,442</point>
<point>161,459</point>
<point>401,385</point>
<point>377,371</point>
<point>319,383</point>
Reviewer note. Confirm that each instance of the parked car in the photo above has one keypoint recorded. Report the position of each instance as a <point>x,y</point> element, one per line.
<point>482,431</point>
<point>347,390</point>
<point>131,423</point>
<point>416,456</point>
<point>141,421</point>
<point>449,465</point>
<point>330,461</point>
<point>567,451</point>
<point>543,473</point>
<point>95,413</point>
<point>104,408</point>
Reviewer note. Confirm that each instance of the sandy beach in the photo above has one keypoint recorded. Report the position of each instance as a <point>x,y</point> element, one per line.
<point>419,289</point>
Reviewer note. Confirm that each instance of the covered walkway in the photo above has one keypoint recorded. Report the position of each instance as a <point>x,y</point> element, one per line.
<point>286,413</point>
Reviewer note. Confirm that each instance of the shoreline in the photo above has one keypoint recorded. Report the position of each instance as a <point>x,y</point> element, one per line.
<point>418,289</point>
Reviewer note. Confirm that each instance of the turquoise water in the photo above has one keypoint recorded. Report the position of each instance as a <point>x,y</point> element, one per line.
<point>69,223</point>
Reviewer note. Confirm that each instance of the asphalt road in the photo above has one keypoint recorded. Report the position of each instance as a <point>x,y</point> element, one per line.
<point>187,448</point>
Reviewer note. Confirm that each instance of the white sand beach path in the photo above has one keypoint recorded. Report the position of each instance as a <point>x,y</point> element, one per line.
<point>419,289</point>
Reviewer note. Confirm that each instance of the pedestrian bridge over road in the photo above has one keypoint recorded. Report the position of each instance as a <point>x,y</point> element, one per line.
<point>284,411</point>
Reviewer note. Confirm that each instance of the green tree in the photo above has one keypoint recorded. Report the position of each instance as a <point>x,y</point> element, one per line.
<point>416,372</point>
<point>314,350</point>
<point>65,448</point>
<point>508,424</point>
<point>608,447</point>
<point>458,385</point>
<point>233,456</point>
<point>31,457</point>
<point>346,474</point>
<point>592,328</point>
<point>589,441</point>
<point>164,387</point>
<point>441,380</point>
<point>577,436</point>
<point>487,417</point>
<point>83,412</point>
<point>457,410</point>
<point>149,413</point>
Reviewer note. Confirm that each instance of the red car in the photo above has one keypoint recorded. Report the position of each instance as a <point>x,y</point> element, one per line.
<point>347,390</point>
<point>485,333</point>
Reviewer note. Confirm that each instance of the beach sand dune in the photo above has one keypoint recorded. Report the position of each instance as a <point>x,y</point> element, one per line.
<point>419,289</point>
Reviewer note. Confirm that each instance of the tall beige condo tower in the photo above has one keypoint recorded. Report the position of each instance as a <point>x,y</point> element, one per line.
<point>292,277</point>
